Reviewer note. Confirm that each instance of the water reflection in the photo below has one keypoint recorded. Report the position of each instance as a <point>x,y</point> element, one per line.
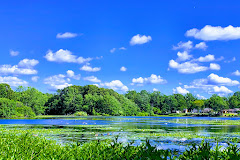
<point>164,132</point>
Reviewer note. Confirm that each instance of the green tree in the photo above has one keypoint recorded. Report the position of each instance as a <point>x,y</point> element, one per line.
<point>216,102</point>
<point>6,91</point>
<point>33,98</point>
<point>198,104</point>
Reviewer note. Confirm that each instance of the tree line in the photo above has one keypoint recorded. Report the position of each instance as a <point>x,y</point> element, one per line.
<point>92,100</point>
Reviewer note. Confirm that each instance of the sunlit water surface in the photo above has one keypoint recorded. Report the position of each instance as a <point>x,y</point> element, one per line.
<point>174,133</point>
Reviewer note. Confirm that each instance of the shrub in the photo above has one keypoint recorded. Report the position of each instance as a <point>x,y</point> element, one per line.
<point>80,113</point>
<point>10,108</point>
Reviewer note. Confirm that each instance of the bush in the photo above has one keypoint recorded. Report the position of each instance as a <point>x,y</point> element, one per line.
<point>10,108</point>
<point>143,113</point>
<point>80,113</point>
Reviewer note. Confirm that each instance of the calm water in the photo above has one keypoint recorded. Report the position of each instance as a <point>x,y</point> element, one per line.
<point>164,132</point>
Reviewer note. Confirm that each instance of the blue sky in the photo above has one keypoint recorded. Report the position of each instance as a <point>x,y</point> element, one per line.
<point>170,46</point>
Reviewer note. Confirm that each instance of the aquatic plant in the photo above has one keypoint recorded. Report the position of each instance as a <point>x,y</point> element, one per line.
<point>30,146</point>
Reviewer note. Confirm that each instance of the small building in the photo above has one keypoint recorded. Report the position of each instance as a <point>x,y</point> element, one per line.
<point>185,111</point>
<point>207,110</point>
<point>235,110</point>
<point>178,111</point>
<point>194,111</point>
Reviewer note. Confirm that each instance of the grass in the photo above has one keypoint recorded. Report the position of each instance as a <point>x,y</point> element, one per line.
<point>28,146</point>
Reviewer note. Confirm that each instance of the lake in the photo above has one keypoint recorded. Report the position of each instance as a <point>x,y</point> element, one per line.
<point>174,133</point>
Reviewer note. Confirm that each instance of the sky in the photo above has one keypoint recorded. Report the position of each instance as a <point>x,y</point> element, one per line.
<point>187,46</point>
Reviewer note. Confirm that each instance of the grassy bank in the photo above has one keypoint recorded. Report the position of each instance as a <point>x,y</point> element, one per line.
<point>30,146</point>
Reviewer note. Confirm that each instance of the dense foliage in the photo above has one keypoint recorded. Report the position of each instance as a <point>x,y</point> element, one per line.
<point>29,146</point>
<point>11,108</point>
<point>92,100</point>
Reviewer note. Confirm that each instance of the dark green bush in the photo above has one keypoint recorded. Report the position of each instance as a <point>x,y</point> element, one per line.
<point>10,108</point>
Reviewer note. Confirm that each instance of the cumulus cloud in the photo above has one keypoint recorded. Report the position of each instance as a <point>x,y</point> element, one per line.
<point>180,90</point>
<point>222,90</point>
<point>153,79</point>
<point>61,81</point>
<point>184,45</point>
<point>210,33</point>
<point>236,73</point>
<point>215,79</point>
<point>139,39</point>
<point>115,85</point>
<point>8,69</point>
<point>14,53</point>
<point>155,89</point>
<point>207,58</point>
<point>92,79</point>
<point>24,67</point>
<point>213,84</point>
<point>123,69</point>
<point>13,81</point>
<point>65,56</point>
<point>183,56</point>
<point>71,74</point>
<point>56,82</point>
<point>187,67</point>
<point>90,69</point>
<point>201,45</point>
<point>200,97</point>
<point>35,78</point>
<point>214,66</point>
<point>28,63</point>
<point>66,35</point>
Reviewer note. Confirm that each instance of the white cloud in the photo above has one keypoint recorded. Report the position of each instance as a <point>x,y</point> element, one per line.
<point>71,74</point>
<point>66,35</point>
<point>57,82</point>
<point>8,69</point>
<point>35,78</point>
<point>210,33</point>
<point>92,79</point>
<point>215,79</point>
<point>28,63</point>
<point>200,97</point>
<point>123,69</point>
<point>14,53</point>
<point>113,50</point>
<point>183,56</point>
<point>24,67</point>
<point>139,39</point>
<point>90,69</point>
<point>232,60</point>
<point>184,45</point>
<point>180,90</point>
<point>122,48</point>
<point>187,67</point>
<point>207,58</point>
<point>201,45</point>
<point>155,89</point>
<point>115,85</point>
<point>153,79</point>
<point>214,66</point>
<point>65,56</point>
<point>222,90</point>
<point>236,73</point>
<point>220,58</point>
<point>213,84</point>
<point>13,81</point>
